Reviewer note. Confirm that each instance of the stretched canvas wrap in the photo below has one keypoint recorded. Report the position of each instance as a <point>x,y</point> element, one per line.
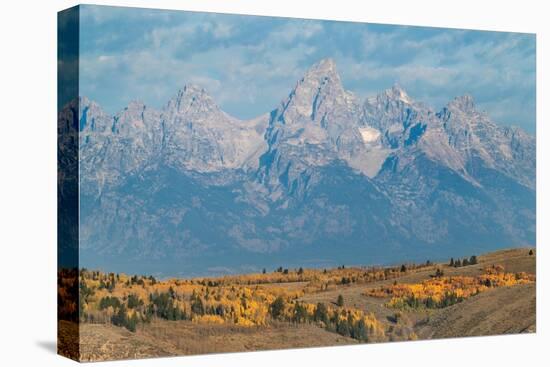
<point>234,183</point>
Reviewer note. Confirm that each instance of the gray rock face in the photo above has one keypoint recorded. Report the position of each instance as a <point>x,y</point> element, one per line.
<point>324,177</point>
<point>474,136</point>
<point>114,147</point>
<point>201,137</point>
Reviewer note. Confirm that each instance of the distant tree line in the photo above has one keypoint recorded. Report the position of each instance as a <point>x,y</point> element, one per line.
<point>464,262</point>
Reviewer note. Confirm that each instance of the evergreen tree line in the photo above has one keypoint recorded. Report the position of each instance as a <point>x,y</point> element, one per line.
<point>346,325</point>
<point>448,299</point>
<point>464,262</point>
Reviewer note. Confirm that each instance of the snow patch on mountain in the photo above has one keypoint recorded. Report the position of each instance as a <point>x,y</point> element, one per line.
<point>369,134</point>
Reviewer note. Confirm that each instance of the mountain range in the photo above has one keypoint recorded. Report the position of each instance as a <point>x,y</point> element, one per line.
<point>325,178</point>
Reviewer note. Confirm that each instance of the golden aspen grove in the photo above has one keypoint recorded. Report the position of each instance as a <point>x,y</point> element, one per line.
<point>441,291</point>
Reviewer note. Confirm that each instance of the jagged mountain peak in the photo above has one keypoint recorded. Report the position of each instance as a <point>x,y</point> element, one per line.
<point>463,113</point>
<point>198,136</point>
<point>92,116</point>
<point>395,96</point>
<point>192,99</point>
<point>321,78</point>
<point>193,92</point>
<point>392,109</point>
<point>192,89</point>
<point>135,105</point>
<point>318,92</point>
<point>325,68</point>
<point>397,93</point>
<point>135,118</point>
<point>463,103</point>
<point>85,103</point>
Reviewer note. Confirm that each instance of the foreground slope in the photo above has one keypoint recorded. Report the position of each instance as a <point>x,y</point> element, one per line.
<point>165,338</point>
<point>238,313</point>
<point>502,311</point>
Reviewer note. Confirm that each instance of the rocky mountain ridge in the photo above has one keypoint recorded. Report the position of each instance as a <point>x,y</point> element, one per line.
<point>424,180</point>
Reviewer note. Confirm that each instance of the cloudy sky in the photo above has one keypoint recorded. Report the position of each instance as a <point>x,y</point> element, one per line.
<point>249,64</point>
